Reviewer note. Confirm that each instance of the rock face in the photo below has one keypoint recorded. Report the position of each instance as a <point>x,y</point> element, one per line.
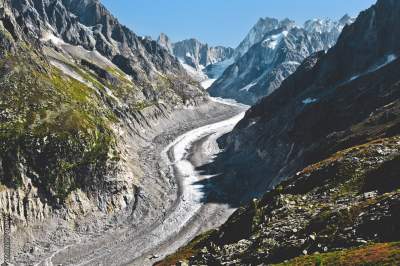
<point>270,53</point>
<point>194,53</point>
<point>77,86</point>
<point>202,62</point>
<point>259,30</point>
<point>164,41</point>
<point>326,145</point>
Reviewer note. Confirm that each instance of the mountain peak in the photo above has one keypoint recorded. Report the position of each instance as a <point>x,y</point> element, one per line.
<point>287,23</point>
<point>345,18</point>
<point>165,42</point>
<point>270,52</point>
<point>256,34</point>
<point>267,20</point>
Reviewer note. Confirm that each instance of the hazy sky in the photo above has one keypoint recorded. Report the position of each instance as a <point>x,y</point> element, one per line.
<point>221,22</point>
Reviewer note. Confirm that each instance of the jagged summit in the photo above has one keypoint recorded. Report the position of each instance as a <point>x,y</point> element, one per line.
<point>164,41</point>
<point>194,53</point>
<point>197,57</point>
<point>345,19</point>
<point>256,34</point>
<point>327,25</point>
<point>270,53</point>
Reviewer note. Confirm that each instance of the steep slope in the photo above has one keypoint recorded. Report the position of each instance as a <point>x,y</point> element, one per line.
<point>317,106</point>
<point>277,50</point>
<point>80,96</point>
<point>258,31</point>
<point>332,132</point>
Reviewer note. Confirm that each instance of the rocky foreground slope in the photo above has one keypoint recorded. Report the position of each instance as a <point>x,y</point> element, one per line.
<point>326,144</point>
<point>272,51</point>
<point>80,95</point>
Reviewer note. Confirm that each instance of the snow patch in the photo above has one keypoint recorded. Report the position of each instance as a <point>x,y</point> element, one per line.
<point>48,36</point>
<point>389,59</point>
<point>196,74</point>
<point>70,72</point>
<point>273,41</point>
<point>309,101</point>
<point>248,87</point>
<point>292,63</point>
<point>207,83</point>
<point>230,102</point>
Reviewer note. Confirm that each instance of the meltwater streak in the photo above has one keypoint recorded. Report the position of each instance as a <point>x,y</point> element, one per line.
<point>190,194</point>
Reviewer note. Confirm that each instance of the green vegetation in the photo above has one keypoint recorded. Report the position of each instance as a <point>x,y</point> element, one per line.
<point>186,252</point>
<point>375,254</point>
<point>53,128</point>
<point>168,89</point>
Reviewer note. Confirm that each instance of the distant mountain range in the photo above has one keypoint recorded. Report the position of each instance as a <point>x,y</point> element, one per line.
<point>270,53</point>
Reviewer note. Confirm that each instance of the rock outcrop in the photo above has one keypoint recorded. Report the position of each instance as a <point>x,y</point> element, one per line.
<point>194,53</point>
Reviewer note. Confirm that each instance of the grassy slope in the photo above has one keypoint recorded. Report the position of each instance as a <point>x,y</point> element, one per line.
<point>53,123</point>
<point>375,254</point>
<point>186,252</point>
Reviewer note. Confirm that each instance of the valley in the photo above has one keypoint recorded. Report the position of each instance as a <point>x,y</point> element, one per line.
<point>120,149</point>
<point>169,225</point>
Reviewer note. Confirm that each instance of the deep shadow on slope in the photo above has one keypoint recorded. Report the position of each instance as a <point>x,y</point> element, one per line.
<point>223,187</point>
<point>351,113</point>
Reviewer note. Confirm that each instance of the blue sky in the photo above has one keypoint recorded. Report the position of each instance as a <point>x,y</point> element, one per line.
<point>221,22</point>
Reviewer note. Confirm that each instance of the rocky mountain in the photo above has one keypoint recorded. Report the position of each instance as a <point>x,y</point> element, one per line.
<point>326,146</point>
<point>164,41</point>
<point>270,53</point>
<point>78,91</point>
<point>194,53</point>
<point>259,30</point>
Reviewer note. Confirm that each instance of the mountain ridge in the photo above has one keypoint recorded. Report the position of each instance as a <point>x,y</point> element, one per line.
<point>199,59</point>
<point>274,50</point>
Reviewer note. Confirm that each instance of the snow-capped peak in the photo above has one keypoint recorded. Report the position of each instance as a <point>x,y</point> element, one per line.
<point>327,25</point>
<point>256,34</point>
<point>319,25</point>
